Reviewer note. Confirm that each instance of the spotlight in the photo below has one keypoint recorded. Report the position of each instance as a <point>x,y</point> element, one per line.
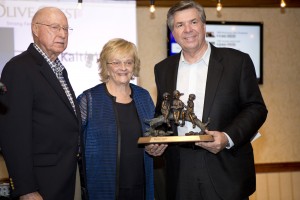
<point>152,6</point>
<point>219,6</point>
<point>282,4</point>
<point>79,5</point>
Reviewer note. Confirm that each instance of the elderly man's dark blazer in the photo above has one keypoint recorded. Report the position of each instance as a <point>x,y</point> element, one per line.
<point>40,130</point>
<point>234,104</point>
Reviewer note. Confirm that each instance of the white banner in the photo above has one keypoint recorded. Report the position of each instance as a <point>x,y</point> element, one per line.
<point>94,24</point>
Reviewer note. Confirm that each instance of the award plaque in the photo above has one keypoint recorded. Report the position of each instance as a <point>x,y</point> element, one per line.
<point>175,113</point>
<point>179,139</point>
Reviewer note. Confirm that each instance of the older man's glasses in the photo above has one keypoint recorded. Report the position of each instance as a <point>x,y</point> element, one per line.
<point>118,63</point>
<point>55,28</point>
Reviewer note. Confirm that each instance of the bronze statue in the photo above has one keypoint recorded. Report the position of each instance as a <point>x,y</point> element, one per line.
<point>177,107</point>
<point>189,112</point>
<point>166,107</point>
<point>176,112</point>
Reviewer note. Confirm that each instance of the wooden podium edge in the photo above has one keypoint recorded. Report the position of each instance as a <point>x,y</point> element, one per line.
<point>172,139</point>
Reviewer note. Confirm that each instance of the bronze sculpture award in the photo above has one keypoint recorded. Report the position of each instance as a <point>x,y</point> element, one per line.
<point>172,113</point>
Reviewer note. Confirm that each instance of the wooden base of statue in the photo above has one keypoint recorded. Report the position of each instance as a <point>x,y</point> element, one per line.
<point>175,139</point>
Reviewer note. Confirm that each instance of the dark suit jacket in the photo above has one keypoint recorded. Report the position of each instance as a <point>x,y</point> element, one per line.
<point>234,104</point>
<point>39,132</point>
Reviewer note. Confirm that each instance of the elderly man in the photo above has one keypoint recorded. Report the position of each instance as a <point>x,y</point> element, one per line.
<point>39,131</point>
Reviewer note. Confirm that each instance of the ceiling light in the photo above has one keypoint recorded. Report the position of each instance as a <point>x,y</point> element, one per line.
<point>152,6</point>
<point>219,6</point>
<point>282,4</point>
<point>79,5</point>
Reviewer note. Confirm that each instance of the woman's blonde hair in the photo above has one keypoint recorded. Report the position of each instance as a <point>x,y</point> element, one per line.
<point>117,46</point>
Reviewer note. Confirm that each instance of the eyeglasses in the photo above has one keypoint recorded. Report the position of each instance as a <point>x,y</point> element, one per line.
<point>118,63</point>
<point>55,28</point>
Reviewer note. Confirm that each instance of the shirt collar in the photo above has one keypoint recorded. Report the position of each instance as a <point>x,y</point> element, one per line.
<point>56,65</point>
<point>205,57</point>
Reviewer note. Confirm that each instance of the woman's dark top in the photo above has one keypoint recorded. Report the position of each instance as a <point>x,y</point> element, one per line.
<point>132,180</point>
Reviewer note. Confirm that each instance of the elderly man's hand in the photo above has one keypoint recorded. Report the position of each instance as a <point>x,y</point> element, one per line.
<point>31,196</point>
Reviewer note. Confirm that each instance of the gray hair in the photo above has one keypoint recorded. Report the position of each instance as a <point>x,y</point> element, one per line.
<point>183,5</point>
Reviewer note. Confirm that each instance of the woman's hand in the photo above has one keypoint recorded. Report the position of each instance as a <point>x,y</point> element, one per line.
<point>155,149</point>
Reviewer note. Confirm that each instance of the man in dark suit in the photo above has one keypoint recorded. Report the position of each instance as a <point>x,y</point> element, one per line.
<point>40,129</point>
<point>227,93</point>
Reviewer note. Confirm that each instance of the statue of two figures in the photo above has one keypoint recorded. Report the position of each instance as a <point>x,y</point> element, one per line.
<point>175,110</point>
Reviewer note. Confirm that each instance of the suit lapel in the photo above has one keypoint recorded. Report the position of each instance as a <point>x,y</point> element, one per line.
<point>214,74</point>
<point>173,72</point>
<point>65,74</point>
<point>51,78</point>
<point>48,74</point>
